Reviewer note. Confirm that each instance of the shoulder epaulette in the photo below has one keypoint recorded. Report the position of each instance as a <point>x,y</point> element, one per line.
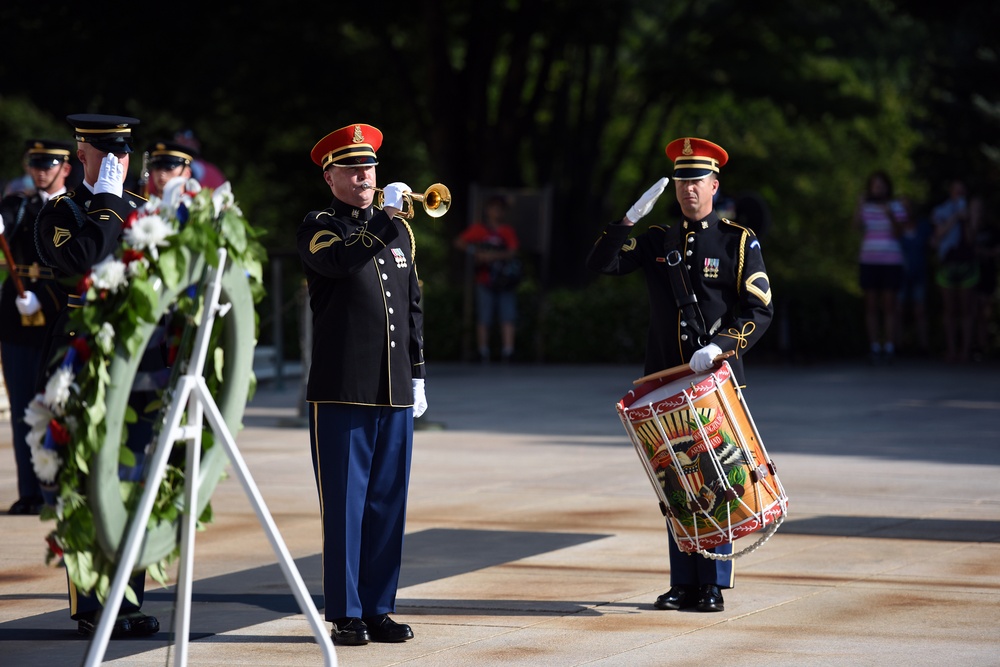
<point>738,226</point>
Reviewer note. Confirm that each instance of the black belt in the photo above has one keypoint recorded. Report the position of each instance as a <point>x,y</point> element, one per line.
<point>36,272</point>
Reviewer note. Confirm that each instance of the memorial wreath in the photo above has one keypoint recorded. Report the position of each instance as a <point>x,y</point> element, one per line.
<point>122,295</point>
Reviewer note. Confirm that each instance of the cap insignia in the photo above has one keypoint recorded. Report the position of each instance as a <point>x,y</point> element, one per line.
<point>358,137</point>
<point>687,150</point>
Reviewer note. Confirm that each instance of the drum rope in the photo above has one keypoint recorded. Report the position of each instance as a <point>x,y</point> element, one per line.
<point>771,530</point>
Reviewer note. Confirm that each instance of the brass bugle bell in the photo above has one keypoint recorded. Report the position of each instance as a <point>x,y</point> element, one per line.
<point>436,200</point>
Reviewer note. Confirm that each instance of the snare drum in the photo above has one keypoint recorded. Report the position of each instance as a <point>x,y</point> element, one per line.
<point>702,452</point>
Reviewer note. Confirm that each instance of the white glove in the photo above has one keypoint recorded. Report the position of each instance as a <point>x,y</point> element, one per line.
<point>112,176</point>
<point>646,201</point>
<point>419,398</point>
<point>28,304</point>
<point>392,195</point>
<point>2,226</point>
<point>703,360</point>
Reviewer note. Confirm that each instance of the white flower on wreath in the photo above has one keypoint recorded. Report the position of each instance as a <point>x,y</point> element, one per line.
<point>106,338</point>
<point>178,191</point>
<point>37,415</point>
<point>58,389</point>
<point>109,274</point>
<point>148,233</point>
<point>223,200</point>
<point>46,464</point>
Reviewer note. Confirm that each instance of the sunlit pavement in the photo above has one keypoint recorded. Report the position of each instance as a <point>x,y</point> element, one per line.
<point>534,536</point>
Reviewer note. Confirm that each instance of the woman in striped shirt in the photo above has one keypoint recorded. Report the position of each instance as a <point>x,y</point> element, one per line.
<point>880,219</point>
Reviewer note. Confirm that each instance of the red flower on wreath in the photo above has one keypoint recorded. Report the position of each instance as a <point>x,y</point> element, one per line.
<point>82,348</point>
<point>85,283</point>
<point>54,546</point>
<point>131,255</point>
<point>59,433</point>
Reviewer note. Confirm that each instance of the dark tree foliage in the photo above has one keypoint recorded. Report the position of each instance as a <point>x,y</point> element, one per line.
<point>808,96</point>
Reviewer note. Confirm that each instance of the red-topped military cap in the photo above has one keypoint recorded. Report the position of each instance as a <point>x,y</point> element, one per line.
<point>350,146</point>
<point>695,158</point>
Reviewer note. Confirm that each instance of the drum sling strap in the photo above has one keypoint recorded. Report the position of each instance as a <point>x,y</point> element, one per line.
<point>695,334</point>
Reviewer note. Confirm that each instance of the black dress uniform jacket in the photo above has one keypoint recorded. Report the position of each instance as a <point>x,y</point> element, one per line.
<point>726,272</point>
<point>19,213</point>
<point>74,232</point>
<point>365,298</point>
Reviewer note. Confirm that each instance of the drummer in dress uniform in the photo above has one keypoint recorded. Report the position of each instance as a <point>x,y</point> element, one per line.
<point>710,294</point>
<point>25,320</point>
<point>73,232</point>
<point>366,382</point>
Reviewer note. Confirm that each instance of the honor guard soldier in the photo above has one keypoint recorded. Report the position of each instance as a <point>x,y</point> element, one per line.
<point>29,303</point>
<point>165,161</point>
<point>74,232</point>
<point>710,294</point>
<point>366,382</point>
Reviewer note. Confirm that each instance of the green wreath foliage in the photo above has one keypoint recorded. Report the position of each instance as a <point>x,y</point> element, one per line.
<point>160,245</point>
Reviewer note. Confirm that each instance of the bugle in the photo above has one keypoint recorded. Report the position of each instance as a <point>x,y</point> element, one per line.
<point>436,200</point>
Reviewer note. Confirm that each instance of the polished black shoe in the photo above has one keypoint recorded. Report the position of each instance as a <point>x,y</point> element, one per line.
<point>133,624</point>
<point>710,598</point>
<point>350,632</point>
<point>26,506</point>
<point>381,628</point>
<point>678,597</point>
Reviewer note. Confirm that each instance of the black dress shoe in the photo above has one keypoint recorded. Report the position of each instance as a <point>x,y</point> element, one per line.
<point>133,624</point>
<point>26,506</point>
<point>710,598</point>
<point>678,597</point>
<point>350,632</point>
<point>384,629</point>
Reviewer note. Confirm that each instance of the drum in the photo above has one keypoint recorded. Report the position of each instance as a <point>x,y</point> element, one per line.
<point>702,452</point>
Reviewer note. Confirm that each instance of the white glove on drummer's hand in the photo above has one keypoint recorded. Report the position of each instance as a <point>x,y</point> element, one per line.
<point>2,226</point>
<point>647,200</point>
<point>28,304</point>
<point>703,359</point>
<point>112,177</point>
<point>392,195</point>
<point>419,398</point>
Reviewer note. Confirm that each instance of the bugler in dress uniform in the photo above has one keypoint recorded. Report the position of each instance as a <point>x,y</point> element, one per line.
<point>366,371</point>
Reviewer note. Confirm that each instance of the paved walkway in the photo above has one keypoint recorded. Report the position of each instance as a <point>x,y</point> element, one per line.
<point>534,537</point>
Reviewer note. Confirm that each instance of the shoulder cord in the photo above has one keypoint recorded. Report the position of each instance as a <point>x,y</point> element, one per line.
<point>413,241</point>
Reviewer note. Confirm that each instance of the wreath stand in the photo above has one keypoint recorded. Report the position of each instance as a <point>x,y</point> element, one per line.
<point>192,394</point>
